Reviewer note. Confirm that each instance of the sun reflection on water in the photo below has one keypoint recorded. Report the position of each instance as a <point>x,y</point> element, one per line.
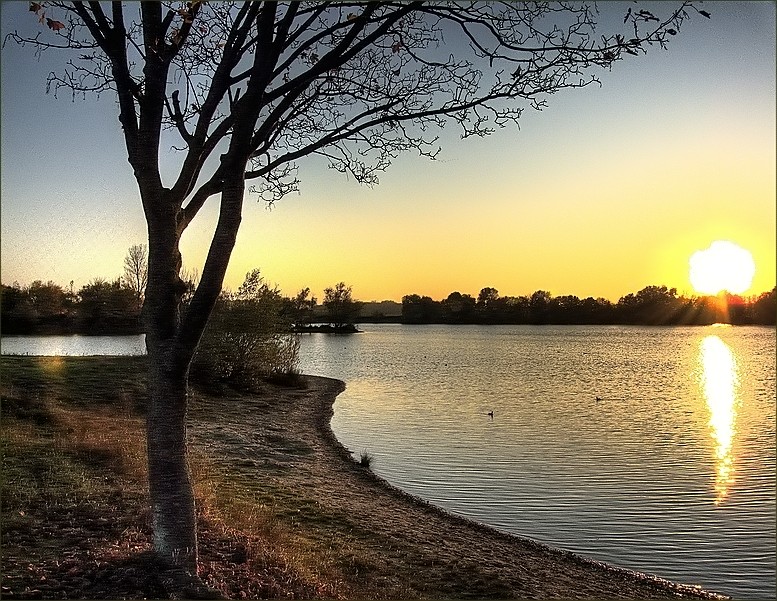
<point>720,381</point>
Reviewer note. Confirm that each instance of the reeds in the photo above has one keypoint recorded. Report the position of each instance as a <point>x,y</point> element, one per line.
<point>366,459</point>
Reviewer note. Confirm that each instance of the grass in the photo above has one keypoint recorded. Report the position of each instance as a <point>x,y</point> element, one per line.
<point>74,501</point>
<point>73,490</point>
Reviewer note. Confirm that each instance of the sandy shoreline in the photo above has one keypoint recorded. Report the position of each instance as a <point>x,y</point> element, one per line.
<point>280,445</point>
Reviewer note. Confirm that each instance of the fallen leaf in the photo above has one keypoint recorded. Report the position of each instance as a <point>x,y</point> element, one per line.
<point>35,7</point>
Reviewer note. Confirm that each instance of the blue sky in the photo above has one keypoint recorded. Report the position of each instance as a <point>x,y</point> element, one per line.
<point>607,190</point>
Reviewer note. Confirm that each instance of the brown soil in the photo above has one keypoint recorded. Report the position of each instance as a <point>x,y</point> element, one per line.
<point>369,538</point>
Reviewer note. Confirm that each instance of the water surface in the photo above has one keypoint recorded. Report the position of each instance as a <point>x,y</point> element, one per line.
<point>671,471</point>
<point>73,345</point>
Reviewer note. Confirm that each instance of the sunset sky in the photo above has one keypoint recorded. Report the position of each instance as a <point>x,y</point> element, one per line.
<point>604,192</point>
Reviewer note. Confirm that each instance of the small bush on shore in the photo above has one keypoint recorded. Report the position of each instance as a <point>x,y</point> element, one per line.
<point>366,459</point>
<point>248,339</point>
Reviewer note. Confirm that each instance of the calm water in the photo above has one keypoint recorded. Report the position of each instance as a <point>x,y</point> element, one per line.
<point>672,472</point>
<point>73,345</point>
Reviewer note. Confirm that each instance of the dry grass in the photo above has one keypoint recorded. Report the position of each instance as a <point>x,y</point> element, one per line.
<point>74,501</point>
<point>105,441</point>
<point>268,559</point>
<point>73,517</point>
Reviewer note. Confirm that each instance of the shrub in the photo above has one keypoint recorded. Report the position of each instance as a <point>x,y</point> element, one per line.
<point>365,459</point>
<point>247,339</point>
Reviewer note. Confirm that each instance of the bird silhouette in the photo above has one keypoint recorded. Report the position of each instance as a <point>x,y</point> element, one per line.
<point>491,414</point>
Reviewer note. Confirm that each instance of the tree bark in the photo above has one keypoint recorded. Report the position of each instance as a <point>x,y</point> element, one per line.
<point>170,483</point>
<point>171,340</point>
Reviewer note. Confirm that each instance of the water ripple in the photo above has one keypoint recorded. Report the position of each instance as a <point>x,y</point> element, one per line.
<point>672,471</point>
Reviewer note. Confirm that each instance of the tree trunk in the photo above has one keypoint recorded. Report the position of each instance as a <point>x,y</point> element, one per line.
<point>170,483</point>
<point>171,340</point>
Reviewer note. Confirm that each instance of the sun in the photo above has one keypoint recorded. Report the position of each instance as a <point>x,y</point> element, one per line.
<point>722,266</point>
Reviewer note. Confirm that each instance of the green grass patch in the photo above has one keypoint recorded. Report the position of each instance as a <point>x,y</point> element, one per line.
<point>85,382</point>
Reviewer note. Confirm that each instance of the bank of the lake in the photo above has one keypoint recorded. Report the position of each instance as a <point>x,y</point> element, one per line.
<point>284,510</point>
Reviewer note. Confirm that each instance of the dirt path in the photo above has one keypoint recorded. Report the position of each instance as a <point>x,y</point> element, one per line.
<point>280,446</point>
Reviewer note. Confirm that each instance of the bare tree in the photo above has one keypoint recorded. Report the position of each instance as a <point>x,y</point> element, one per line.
<point>136,271</point>
<point>257,86</point>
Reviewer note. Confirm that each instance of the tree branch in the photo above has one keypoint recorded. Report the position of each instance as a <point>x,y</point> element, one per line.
<point>197,313</point>
<point>205,191</point>
<point>177,116</point>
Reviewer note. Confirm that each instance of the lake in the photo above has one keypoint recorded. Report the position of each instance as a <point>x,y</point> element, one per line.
<point>648,448</point>
<point>75,344</point>
<point>671,471</point>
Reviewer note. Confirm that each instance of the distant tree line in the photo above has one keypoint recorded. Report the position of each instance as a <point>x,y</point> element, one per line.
<point>653,305</point>
<point>114,307</point>
<point>99,307</point>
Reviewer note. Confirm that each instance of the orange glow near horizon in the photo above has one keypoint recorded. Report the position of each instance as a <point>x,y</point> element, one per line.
<point>584,257</point>
<point>583,231</point>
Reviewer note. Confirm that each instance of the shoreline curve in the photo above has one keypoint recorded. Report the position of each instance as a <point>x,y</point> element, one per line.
<point>409,547</point>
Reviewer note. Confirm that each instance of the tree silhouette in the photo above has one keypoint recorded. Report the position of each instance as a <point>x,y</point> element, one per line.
<point>764,308</point>
<point>340,306</point>
<point>487,297</point>
<point>136,271</point>
<point>245,90</point>
<point>37,308</point>
<point>300,308</point>
<point>458,307</point>
<point>420,309</point>
<point>653,305</point>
